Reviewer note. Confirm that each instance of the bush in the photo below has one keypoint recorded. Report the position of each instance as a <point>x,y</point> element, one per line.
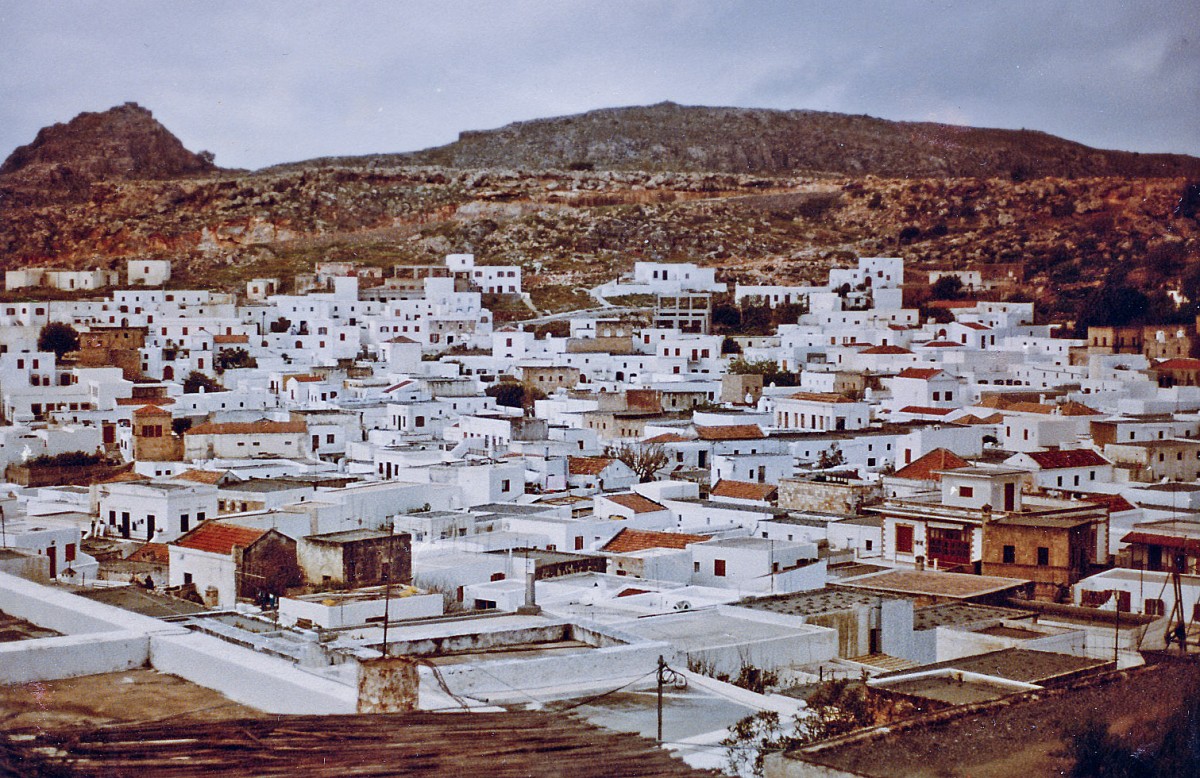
<point>67,459</point>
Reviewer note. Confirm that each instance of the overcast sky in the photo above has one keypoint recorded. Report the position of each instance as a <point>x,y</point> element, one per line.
<point>265,82</point>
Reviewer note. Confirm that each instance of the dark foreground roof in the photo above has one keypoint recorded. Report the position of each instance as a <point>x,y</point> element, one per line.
<point>409,744</point>
<point>1022,734</point>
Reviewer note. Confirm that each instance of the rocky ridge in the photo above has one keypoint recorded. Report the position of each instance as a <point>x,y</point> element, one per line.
<point>573,228</point>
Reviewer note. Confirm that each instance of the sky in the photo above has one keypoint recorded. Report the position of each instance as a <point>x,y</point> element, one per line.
<point>259,83</point>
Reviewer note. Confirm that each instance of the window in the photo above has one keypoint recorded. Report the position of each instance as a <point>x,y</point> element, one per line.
<point>1154,607</point>
<point>579,542</point>
<point>187,578</point>
<point>868,544</point>
<point>695,567</point>
<point>904,538</point>
<point>505,485</point>
<point>966,491</point>
<point>1010,555</point>
<point>719,568</point>
<point>184,522</point>
<point>69,553</point>
<point>1043,556</point>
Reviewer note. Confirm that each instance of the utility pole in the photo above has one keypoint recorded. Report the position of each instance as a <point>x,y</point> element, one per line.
<point>1117,632</point>
<point>666,675</point>
<point>387,601</point>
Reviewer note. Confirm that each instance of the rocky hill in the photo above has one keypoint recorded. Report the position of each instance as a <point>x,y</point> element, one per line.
<point>125,142</point>
<point>573,228</point>
<point>670,137</point>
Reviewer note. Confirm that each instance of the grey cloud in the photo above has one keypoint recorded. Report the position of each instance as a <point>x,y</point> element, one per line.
<point>259,83</point>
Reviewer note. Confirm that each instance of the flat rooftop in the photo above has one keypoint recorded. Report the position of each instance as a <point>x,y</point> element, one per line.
<point>928,583</point>
<point>13,629</point>
<point>811,603</point>
<point>143,601</point>
<point>1022,665</point>
<point>697,630</point>
<point>951,688</point>
<point>1022,734</point>
<point>953,614</point>
<point>110,698</point>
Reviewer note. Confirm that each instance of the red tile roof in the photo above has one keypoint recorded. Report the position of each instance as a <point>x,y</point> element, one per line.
<point>974,325</point>
<point>260,427</point>
<point>151,552</point>
<point>1114,502</point>
<point>887,350</point>
<point>1179,364</point>
<point>821,397</point>
<point>219,538</point>
<point>125,477</point>
<point>942,344</point>
<point>744,490</point>
<point>919,372</point>
<point>628,540</point>
<point>147,409</point>
<point>231,338</point>
<point>1072,408</point>
<point>1080,457</point>
<point>588,465</point>
<point>668,437</point>
<point>201,476</point>
<point>635,502</point>
<point>971,418</point>
<point>731,432</point>
<point>927,410</point>
<point>952,303</point>
<point>1031,408</point>
<point>926,468</point>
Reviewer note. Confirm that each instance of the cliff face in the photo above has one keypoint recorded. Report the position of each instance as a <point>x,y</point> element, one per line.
<point>125,142</point>
<point>65,205</point>
<point>669,137</point>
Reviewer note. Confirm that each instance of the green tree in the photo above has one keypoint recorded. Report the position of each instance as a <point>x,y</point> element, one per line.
<point>947,288</point>
<point>196,382</point>
<point>233,358</point>
<point>644,459</point>
<point>59,338</point>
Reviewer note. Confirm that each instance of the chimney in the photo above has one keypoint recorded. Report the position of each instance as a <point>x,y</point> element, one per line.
<point>530,608</point>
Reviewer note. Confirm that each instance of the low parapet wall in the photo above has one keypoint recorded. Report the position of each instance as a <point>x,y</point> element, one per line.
<point>71,656</point>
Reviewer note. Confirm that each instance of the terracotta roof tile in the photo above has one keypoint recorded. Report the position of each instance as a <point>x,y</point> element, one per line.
<point>1114,502</point>
<point>151,552</point>
<point>887,350</point>
<point>218,537</point>
<point>1031,408</point>
<point>635,502</point>
<point>926,468</point>
<point>919,372</point>
<point>942,344</point>
<point>588,465</point>
<point>821,397</point>
<point>146,408</point>
<point>201,476</point>
<point>125,476</point>
<point>260,427</point>
<point>1080,457</point>
<point>927,410</point>
<point>629,540</point>
<point>231,338</point>
<point>974,325</point>
<point>668,437</point>
<point>744,490</point>
<point>1179,364</point>
<point>731,432</point>
<point>1072,408</point>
